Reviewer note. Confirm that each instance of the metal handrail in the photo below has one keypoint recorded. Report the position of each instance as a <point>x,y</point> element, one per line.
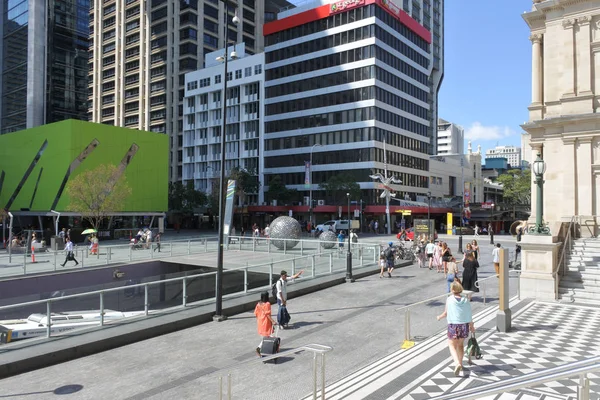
<point>183,279</point>
<point>477,282</point>
<point>316,349</point>
<point>568,370</point>
<point>561,265</point>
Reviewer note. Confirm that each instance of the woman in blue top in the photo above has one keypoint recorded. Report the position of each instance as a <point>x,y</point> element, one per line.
<point>460,322</point>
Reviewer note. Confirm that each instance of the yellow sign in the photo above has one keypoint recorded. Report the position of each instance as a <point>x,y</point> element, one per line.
<point>449,223</point>
<point>405,212</point>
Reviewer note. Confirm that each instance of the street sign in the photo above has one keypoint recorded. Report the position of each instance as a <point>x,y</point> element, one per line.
<point>356,213</point>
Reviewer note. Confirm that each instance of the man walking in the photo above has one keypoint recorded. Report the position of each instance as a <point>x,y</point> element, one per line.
<point>496,259</point>
<point>476,230</point>
<point>283,317</point>
<point>491,233</point>
<point>69,250</point>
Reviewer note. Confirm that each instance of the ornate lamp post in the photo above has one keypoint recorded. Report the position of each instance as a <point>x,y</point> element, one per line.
<point>539,168</point>
<point>219,280</point>
<point>349,277</point>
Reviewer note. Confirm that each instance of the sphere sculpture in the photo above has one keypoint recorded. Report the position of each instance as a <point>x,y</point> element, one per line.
<point>285,228</point>
<point>328,239</point>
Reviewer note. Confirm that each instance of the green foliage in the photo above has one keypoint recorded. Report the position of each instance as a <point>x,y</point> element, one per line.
<point>517,186</point>
<point>98,192</point>
<point>184,198</point>
<point>338,185</point>
<point>246,182</point>
<point>278,191</point>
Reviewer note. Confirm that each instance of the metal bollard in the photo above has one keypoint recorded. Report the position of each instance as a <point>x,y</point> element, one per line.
<point>315,376</point>
<point>583,390</point>
<point>220,388</point>
<point>228,386</point>
<point>101,308</point>
<point>322,376</point>
<point>407,324</point>
<point>330,263</point>
<point>146,300</point>
<point>49,324</point>
<point>184,295</point>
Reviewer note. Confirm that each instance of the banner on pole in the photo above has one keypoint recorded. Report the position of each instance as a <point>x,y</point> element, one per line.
<point>307,168</point>
<point>228,210</point>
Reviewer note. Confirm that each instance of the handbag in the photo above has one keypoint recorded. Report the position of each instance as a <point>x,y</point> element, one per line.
<point>473,349</point>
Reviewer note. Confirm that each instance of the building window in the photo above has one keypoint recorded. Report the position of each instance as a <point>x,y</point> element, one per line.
<point>258,69</point>
<point>247,71</point>
<point>229,76</point>
<point>193,85</point>
<point>217,78</point>
<point>238,74</point>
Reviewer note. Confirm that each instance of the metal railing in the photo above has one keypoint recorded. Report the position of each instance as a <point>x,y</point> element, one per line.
<point>578,368</point>
<point>47,261</point>
<point>325,267</point>
<point>561,266</point>
<point>316,349</point>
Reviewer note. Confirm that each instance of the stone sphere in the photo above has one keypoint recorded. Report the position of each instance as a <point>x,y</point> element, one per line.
<point>328,239</point>
<point>285,228</point>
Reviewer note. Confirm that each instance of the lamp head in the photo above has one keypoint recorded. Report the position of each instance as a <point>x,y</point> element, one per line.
<point>236,19</point>
<point>233,55</point>
<point>539,166</point>
<point>220,59</point>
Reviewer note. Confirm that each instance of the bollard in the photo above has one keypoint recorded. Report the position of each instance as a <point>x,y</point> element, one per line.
<point>312,264</point>
<point>330,263</point>
<point>220,388</point>
<point>301,247</point>
<point>407,325</point>
<point>322,376</point>
<point>101,308</point>
<point>184,295</point>
<point>146,300</point>
<point>228,386</point>
<point>314,376</point>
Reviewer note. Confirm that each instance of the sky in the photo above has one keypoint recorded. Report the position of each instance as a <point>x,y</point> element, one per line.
<point>487,72</point>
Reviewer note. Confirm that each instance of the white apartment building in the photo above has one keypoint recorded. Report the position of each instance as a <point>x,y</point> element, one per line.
<point>202,120</point>
<point>450,138</point>
<point>511,153</point>
<point>525,152</point>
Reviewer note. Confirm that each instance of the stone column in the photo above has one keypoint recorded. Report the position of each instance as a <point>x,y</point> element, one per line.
<point>584,196</point>
<point>569,62</point>
<point>536,69</point>
<point>568,193</point>
<point>584,62</point>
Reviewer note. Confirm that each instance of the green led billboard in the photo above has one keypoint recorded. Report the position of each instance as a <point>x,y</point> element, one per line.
<point>37,163</point>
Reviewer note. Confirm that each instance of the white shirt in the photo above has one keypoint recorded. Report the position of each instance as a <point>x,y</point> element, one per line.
<point>69,246</point>
<point>282,288</point>
<point>496,254</point>
<point>267,229</point>
<point>430,248</point>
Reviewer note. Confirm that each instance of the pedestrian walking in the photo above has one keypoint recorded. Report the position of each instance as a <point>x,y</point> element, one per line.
<point>69,249</point>
<point>430,250</point>
<point>446,256</point>
<point>459,315</point>
<point>475,248</point>
<point>452,274</point>
<point>264,320</point>
<point>476,230</point>
<point>470,266</point>
<point>283,317</point>
<point>491,233</point>
<point>421,257</point>
<point>437,257</point>
<point>376,227</point>
<point>382,264</point>
<point>157,240</point>
<point>341,238</point>
<point>496,259</point>
<point>389,255</point>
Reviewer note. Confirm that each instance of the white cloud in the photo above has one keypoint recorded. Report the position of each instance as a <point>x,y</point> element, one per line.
<point>480,132</point>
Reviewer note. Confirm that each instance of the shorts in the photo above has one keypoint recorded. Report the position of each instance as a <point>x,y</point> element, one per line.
<point>429,255</point>
<point>458,331</point>
<point>390,263</point>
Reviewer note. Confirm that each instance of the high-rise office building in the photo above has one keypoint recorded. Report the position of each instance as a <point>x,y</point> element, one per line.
<point>203,121</point>
<point>450,138</point>
<point>141,51</point>
<point>44,62</point>
<point>511,153</point>
<point>346,81</point>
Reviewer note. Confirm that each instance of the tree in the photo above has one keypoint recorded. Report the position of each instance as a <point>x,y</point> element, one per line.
<point>97,193</point>
<point>184,198</point>
<point>278,191</point>
<point>338,185</point>
<point>517,186</point>
<point>246,182</point>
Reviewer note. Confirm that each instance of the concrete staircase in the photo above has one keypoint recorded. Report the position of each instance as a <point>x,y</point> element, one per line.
<point>581,282</point>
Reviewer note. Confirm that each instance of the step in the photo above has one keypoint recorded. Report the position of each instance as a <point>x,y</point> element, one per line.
<point>585,253</point>
<point>578,294</point>
<point>583,264</point>
<point>583,267</point>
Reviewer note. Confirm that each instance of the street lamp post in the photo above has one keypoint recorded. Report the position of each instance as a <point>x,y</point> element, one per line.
<point>539,168</point>
<point>428,215</point>
<point>310,205</point>
<point>349,277</point>
<point>219,280</point>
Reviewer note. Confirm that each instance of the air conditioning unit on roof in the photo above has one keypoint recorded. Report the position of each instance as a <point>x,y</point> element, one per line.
<point>320,202</point>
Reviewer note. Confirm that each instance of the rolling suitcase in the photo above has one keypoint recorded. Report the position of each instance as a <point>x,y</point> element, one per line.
<point>270,345</point>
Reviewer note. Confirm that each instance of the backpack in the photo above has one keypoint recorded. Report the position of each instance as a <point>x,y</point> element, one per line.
<point>388,252</point>
<point>274,289</point>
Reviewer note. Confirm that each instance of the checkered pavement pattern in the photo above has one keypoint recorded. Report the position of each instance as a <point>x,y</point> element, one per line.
<point>543,335</point>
